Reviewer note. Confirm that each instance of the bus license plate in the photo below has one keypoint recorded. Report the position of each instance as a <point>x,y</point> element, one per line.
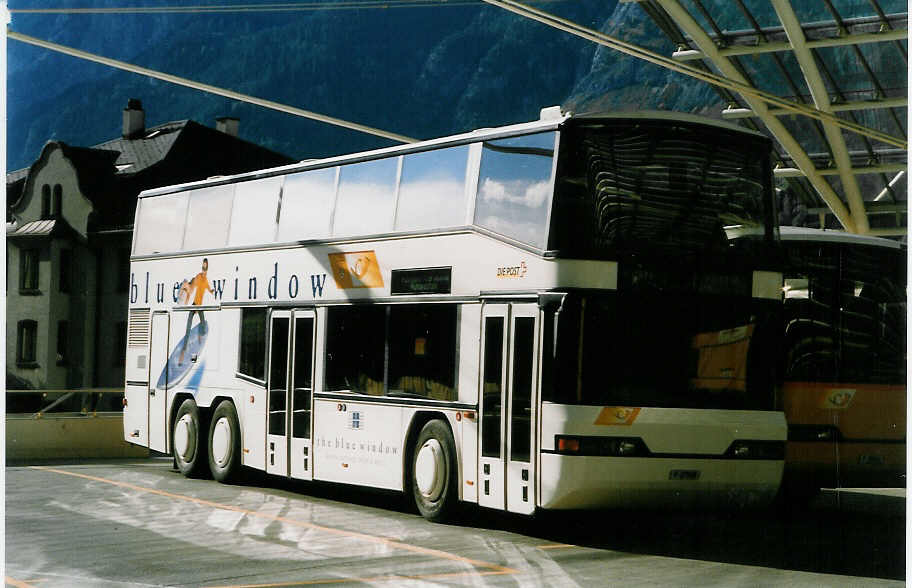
<point>684,475</point>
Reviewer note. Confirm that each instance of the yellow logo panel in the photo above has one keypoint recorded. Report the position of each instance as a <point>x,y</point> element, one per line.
<point>358,269</point>
<point>617,415</point>
<point>837,398</point>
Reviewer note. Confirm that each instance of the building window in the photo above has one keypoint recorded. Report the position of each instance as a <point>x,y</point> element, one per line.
<point>45,202</point>
<point>26,342</point>
<point>28,271</point>
<point>57,202</point>
<point>252,360</point>
<point>63,342</point>
<point>66,272</point>
<point>120,337</point>
<point>122,276</point>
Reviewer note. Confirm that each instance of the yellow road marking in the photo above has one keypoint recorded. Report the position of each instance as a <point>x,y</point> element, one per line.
<point>17,583</point>
<point>387,578</point>
<point>556,546</point>
<point>353,534</point>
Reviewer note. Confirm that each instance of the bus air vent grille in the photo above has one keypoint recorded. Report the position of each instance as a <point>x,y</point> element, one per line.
<point>138,329</point>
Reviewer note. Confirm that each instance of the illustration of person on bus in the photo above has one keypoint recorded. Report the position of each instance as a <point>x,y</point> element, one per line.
<point>195,287</point>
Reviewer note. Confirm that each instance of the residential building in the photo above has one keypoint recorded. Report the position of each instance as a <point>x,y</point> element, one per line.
<point>69,232</point>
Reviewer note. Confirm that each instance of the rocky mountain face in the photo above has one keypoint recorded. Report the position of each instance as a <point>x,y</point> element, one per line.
<point>419,71</point>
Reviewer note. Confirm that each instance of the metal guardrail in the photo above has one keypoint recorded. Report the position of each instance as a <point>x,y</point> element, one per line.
<point>79,402</point>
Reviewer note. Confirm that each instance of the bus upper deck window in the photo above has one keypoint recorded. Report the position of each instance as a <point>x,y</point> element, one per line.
<point>514,187</point>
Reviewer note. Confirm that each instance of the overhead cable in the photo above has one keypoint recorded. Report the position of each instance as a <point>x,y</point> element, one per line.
<point>208,88</point>
<point>668,63</point>
<point>265,7</point>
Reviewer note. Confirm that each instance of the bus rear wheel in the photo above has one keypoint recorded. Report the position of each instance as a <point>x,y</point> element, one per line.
<point>434,472</point>
<point>186,441</point>
<point>225,443</point>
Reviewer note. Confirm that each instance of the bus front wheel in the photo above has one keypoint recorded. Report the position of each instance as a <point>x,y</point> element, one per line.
<point>225,443</point>
<point>434,472</point>
<point>186,440</point>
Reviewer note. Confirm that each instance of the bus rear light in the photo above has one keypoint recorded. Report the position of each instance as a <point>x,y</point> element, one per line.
<point>567,445</point>
<point>124,401</point>
<point>601,446</point>
<point>772,450</point>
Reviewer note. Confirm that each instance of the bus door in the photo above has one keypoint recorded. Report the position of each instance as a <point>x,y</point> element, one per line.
<point>158,386</point>
<point>509,374</point>
<point>277,389</point>
<point>288,449</point>
<point>301,454</point>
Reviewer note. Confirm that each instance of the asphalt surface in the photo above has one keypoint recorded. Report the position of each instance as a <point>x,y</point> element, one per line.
<point>138,523</point>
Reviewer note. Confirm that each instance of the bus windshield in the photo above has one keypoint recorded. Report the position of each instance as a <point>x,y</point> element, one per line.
<point>648,348</point>
<point>661,187</point>
<point>845,313</point>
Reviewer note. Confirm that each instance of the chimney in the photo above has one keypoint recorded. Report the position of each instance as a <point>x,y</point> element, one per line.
<point>227,125</point>
<point>134,119</point>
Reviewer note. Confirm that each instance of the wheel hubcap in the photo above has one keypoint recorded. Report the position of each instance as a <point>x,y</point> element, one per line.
<point>185,437</point>
<point>430,473</point>
<point>221,442</point>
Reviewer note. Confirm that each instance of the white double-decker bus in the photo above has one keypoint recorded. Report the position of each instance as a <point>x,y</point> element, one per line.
<point>568,313</point>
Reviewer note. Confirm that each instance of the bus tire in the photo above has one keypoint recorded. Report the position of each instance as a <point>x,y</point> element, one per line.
<point>434,472</point>
<point>187,445</point>
<point>225,443</point>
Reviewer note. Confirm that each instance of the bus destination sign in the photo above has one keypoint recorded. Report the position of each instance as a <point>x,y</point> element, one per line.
<point>434,280</point>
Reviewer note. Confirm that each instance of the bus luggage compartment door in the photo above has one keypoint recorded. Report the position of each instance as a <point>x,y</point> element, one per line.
<point>136,414</point>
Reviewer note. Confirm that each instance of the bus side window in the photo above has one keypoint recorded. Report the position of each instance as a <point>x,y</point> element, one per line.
<point>405,350</point>
<point>422,344</point>
<point>252,352</point>
<point>355,349</point>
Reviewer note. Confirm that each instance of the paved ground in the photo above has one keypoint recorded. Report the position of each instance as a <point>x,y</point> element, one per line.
<point>137,523</point>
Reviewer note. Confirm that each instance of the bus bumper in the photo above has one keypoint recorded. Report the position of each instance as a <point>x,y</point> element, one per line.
<point>584,482</point>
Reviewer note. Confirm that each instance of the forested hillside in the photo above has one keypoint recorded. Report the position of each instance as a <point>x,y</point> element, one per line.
<point>421,72</point>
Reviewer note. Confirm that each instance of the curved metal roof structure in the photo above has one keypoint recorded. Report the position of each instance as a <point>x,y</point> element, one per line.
<point>844,57</point>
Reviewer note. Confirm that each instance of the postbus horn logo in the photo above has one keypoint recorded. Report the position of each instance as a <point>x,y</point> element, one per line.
<point>358,269</point>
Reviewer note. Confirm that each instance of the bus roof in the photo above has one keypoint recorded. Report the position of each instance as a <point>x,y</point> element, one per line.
<point>551,119</point>
<point>830,236</point>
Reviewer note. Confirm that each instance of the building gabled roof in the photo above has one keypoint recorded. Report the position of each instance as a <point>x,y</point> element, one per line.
<point>142,152</point>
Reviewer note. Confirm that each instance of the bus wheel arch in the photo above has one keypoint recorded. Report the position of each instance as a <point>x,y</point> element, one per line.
<point>224,443</point>
<point>188,439</point>
<point>432,472</point>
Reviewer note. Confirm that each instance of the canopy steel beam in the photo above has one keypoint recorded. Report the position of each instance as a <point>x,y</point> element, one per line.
<point>871,207</point>
<point>773,46</point>
<point>737,84</point>
<point>791,172</point>
<point>821,97</point>
<point>734,113</point>
<point>794,150</point>
<point>889,187</point>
